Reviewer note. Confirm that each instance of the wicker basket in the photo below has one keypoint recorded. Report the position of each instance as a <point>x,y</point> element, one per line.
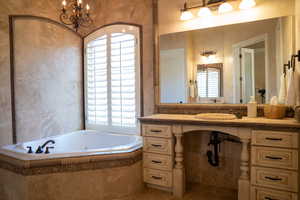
<point>274,111</point>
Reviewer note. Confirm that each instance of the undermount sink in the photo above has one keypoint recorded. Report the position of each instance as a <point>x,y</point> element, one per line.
<point>216,116</point>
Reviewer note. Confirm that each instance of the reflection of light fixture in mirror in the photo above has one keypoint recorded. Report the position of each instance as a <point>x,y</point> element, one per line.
<point>246,4</point>
<point>225,7</point>
<point>185,13</point>
<point>209,56</point>
<point>204,12</point>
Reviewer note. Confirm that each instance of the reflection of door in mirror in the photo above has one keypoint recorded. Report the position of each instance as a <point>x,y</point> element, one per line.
<point>173,76</point>
<point>247,80</point>
<point>209,82</point>
<point>253,65</point>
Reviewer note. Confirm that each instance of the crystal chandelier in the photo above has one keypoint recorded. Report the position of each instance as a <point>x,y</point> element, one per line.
<point>73,13</point>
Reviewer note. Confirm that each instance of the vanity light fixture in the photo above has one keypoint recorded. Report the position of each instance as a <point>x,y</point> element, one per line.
<point>247,4</point>
<point>73,13</point>
<point>205,9</point>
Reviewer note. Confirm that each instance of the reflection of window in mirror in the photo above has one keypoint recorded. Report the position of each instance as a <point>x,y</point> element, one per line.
<point>209,81</point>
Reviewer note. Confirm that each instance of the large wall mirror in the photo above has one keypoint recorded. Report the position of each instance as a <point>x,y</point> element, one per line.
<point>225,64</point>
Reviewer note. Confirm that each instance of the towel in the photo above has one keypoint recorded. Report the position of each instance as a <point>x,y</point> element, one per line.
<point>192,91</point>
<point>291,89</point>
<point>282,90</point>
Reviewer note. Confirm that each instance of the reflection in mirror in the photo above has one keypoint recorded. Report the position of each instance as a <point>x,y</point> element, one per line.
<point>227,64</point>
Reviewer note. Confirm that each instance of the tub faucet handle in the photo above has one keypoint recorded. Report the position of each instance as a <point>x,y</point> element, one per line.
<point>39,150</point>
<point>47,149</point>
<point>29,149</point>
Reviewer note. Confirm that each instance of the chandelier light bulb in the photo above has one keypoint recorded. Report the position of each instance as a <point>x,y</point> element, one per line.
<point>79,1</point>
<point>247,4</point>
<point>87,7</point>
<point>225,7</point>
<point>64,3</point>
<point>204,12</point>
<point>186,15</point>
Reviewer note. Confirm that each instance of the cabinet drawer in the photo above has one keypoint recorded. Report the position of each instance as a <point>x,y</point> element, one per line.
<point>158,145</point>
<point>275,178</point>
<point>269,194</point>
<point>157,177</point>
<point>152,130</point>
<point>157,161</point>
<point>275,157</point>
<point>275,139</point>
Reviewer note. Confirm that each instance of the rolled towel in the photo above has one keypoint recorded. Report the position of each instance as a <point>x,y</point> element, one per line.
<point>282,90</point>
<point>192,91</point>
<point>291,89</point>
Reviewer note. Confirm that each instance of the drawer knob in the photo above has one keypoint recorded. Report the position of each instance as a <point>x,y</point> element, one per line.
<point>156,161</point>
<point>274,139</point>
<point>155,131</point>
<point>269,198</point>
<point>156,177</point>
<point>272,178</point>
<point>273,158</point>
<point>156,145</point>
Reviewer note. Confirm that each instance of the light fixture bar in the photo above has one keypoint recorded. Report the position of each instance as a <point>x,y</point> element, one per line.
<point>211,5</point>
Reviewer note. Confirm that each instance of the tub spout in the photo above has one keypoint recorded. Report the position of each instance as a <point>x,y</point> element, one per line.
<point>47,142</point>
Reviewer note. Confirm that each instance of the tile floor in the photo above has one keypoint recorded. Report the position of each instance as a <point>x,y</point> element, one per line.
<point>194,192</point>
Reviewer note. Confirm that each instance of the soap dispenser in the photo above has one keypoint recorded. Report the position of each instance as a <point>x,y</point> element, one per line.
<point>252,108</point>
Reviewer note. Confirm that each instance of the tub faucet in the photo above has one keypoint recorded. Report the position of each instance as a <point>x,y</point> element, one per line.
<point>47,142</point>
<point>40,148</point>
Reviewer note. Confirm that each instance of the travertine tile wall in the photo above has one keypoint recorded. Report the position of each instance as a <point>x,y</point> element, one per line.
<point>103,12</point>
<point>48,79</point>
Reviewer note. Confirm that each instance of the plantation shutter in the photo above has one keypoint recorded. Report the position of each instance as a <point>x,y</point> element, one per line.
<point>112,85</point>
<point>208,79</point>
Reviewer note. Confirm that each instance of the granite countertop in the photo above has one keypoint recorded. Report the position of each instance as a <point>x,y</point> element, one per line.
<point>244,122</point>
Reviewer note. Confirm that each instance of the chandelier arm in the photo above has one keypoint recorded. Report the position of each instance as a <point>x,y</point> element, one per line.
<point>64,18</point>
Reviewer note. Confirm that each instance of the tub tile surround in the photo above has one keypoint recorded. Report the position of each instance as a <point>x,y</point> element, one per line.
<point>89,177</point>
<point>249,131</point>
<point>70,164</point>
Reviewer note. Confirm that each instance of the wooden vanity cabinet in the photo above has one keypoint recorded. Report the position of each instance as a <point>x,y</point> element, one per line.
<point>269,159</point>
<point>158,155</point>
<point>274,165</point>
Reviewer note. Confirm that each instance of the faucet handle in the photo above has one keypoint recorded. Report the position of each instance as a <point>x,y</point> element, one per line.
<point>39,150</point>
<point>47,149</point>
<point>29,149</point>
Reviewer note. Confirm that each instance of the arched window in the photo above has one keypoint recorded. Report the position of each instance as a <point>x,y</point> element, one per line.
<point>112,79</point>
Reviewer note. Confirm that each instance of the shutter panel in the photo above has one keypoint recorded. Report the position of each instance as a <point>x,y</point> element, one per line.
<point>96,63</point>
<point>202,83</point>
<point>213,85</point>
<point>123,80</point>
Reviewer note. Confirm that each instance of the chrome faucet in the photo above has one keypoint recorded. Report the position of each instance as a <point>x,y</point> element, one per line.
<point>40,148</point>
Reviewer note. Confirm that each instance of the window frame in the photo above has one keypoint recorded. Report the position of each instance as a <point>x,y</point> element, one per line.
<point>218,66</point>
<point>135,30</point>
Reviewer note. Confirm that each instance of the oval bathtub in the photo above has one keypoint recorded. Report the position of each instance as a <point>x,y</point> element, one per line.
<point>83,165</point>
<point>79,143</point>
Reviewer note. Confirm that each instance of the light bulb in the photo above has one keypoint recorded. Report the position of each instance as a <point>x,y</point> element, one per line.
<point>64,3</point>
<point>246,4</point>
<point>87,7</point>
<point>79,1</point>
<point>225,7</point>
<point>186,15</point>
<point>204,12</point>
